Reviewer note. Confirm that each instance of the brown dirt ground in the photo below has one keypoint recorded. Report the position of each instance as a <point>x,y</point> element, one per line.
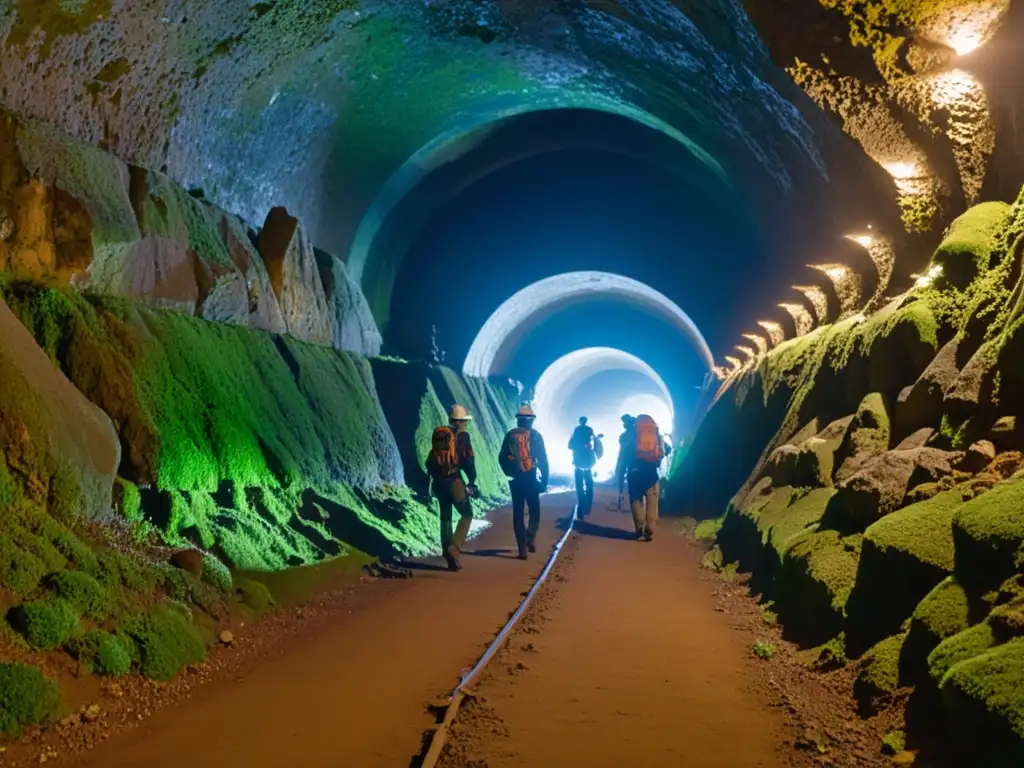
<point>633,655</point>
<point>344,679</point>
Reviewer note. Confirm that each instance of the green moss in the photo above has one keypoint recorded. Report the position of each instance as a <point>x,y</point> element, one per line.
<point>894,742</point>
<point>960,647</point>
<point>944,612</point>
<point>103,653</point>
<point>166,640</point>
<point>989,531</point>
<point>966,250</point>
<point>984,697</point>
<point>879,676</point>
<point>707,530</point>
<point>255,595</point>
<point>26,697</point>
<point>88,596</point>
<point>817,574</point>
<point>54,19</point>
<point>127,499</point>
<point>45,624</point>
<point>216,574</point>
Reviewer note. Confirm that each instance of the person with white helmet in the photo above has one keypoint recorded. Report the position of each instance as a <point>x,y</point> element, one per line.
<point>524,460</point>
<point>451,456</point>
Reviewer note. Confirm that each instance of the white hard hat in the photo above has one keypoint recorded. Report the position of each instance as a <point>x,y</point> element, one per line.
<point>526,412</point>
<point>458,413</point>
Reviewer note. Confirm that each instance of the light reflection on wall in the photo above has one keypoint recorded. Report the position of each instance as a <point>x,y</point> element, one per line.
<point>758,341</point>
<point>774,330</point>
<point>816,296</point>
<point>801,317</point>
<point>846,283</point>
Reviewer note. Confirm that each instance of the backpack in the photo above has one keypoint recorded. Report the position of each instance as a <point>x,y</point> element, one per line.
<point>598,448</point>
<point>442,449</point>
<point>517,458</point>
<point>649,448</point>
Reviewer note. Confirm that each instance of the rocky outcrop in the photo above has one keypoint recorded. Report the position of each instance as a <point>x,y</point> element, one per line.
<point>353,328</point>
<point>57,447</point>
<point>295,278</point>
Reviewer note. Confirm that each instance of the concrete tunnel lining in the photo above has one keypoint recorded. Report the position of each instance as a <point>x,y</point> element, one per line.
<point>505,329</point>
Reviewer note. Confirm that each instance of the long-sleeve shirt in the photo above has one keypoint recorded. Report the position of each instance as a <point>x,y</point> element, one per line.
<point>464,456</point>
<point>538,452</point>
<point>582,446</point>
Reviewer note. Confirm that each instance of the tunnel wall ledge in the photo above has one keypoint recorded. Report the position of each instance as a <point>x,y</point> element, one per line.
<point>870,477</point>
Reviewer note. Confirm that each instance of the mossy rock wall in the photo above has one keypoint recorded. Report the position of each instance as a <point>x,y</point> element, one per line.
<point>264,449</point>
<point>416,399</point>
<point>59,450</point>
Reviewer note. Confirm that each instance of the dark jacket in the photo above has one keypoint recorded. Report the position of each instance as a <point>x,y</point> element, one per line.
<point>537,451</point>
<point>582,446</point>
<point>466,459</point>
<point>641,474</point>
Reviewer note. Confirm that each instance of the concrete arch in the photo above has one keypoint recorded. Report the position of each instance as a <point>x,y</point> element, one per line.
<point>397,215</point>
<point>500,336</point>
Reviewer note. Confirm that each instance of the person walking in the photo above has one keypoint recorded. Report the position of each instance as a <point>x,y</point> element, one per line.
<point>524,460</point>
<point>586,450</point>
<point>621,464</point>
<point>451,456</point>
<point>643,457</point>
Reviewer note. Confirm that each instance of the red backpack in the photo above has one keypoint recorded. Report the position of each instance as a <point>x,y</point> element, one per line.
<point>649,447</point>
<point>518,459</point>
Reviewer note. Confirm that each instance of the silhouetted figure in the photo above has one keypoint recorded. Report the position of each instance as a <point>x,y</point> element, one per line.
<point>620,463</point>
<point>586,450</point>
<point>451,456</point>
<point>642,456</point>
<point>524,460</point>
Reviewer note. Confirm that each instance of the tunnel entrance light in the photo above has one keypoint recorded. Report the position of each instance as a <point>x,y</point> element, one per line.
<point>505,330</point>
<point>556,420</point>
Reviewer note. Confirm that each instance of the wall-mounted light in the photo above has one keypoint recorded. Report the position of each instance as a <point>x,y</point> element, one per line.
<point>775,331</point>
<point>759,341</point>
<point>817,298</point>
<point>801,317</point>
<point>845,282</point>
<point>928,277</point>
<point>748,352</point>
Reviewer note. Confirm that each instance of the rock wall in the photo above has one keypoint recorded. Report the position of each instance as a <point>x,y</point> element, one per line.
<point>871,475</point>
<point>75,214</point>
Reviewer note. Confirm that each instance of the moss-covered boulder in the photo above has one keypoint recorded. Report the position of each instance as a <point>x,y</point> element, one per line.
<point>867,435</point>
<point>966,250</point>
<point>166,641</point>
<point>920,405</point>
<point>880,486</point>
<point>816,576</point>
<point>878,676</point>
<point>989,535</point>
<point>984,701</point>
<point>45,624</point>
<point>26,697</point>
<point>944,612</point>
<point>904,556</point>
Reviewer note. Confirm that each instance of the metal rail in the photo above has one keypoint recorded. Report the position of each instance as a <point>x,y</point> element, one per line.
<point>440,734</point>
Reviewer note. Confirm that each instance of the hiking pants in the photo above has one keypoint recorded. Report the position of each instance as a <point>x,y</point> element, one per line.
<point>584,491</point>
<point>644,506</point>
<point>452,494</point>
<point>525,493</point>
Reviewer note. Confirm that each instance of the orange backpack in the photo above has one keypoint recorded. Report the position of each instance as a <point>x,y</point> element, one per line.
<point>518,458</point>
<point>442,448</point>
<point>649,447</point>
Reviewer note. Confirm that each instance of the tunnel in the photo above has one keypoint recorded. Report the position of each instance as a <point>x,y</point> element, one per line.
<point>682,337</point>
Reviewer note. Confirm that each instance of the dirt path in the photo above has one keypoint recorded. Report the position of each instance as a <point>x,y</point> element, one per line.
<point>354,693</point>
<point>624,661</point>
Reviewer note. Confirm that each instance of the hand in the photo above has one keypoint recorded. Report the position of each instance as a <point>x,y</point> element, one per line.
<point>473,490</point>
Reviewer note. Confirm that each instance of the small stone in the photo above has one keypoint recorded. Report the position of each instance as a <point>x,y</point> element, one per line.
<point>978,456</point>
<point>226,637</point>
<point>92,713</point>
<point>904,758</point>
<point>115,690</point>
<point>71,720</point>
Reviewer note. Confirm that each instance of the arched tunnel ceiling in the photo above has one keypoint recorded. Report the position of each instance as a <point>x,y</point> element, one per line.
<point>440,172</point>
<point>316,105</point>
<point>505,329</point>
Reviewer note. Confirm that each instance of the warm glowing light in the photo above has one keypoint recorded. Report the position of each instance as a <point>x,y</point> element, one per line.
<point>965,41</point>
<point>929,277</point>
<point>734,362</point>
<point>759,341</point>
<point>801,317</point>
<point>903,170</point>
<point>865,241</point>
<point>817,298</point>
<point>774,331</point>
<point>747,352</point>
<point>845,282</point>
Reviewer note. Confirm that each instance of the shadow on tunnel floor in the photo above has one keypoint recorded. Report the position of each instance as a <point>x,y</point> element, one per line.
<point>587,528</point>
